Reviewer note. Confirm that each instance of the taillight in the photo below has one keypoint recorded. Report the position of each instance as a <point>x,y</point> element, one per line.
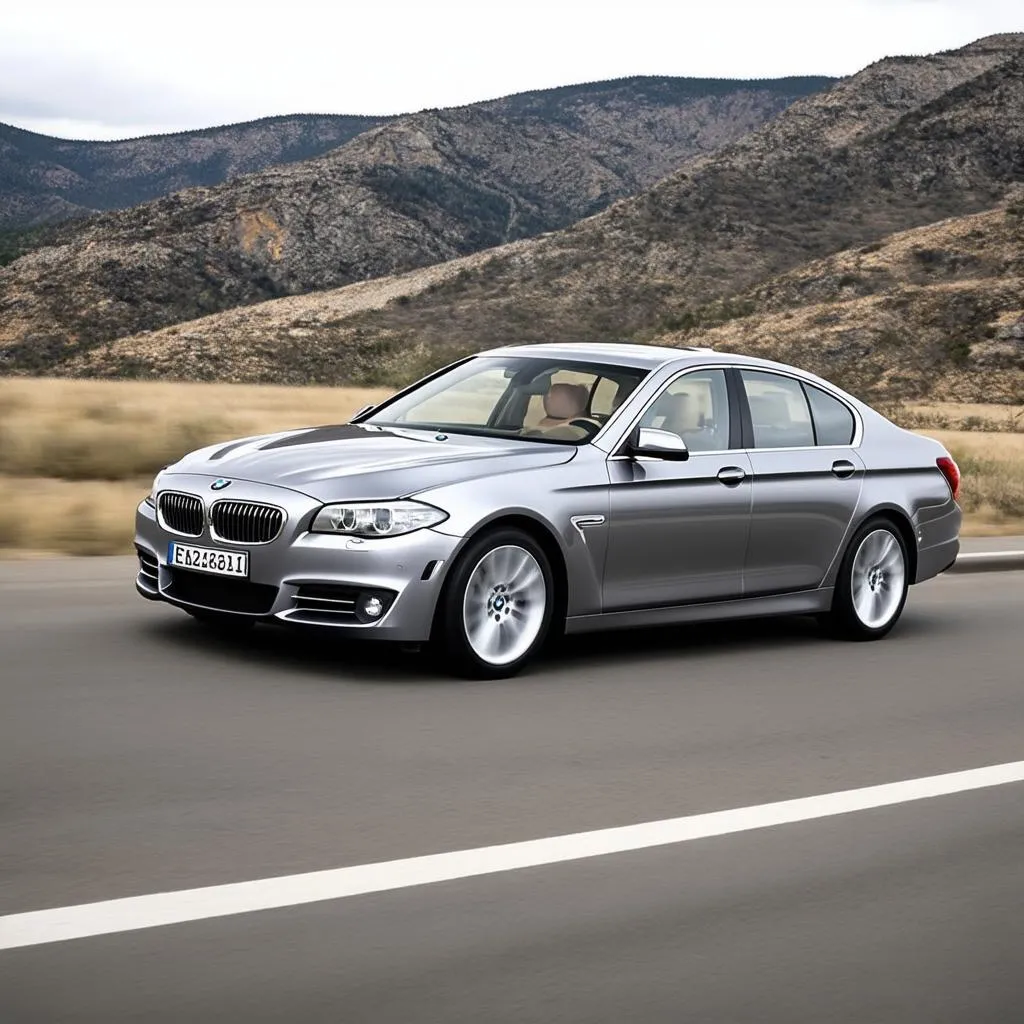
<point>951,471</point>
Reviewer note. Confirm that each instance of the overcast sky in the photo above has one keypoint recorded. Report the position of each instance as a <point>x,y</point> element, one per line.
<point>102,69</point>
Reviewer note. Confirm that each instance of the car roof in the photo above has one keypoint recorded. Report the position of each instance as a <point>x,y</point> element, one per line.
<point>647,357</point>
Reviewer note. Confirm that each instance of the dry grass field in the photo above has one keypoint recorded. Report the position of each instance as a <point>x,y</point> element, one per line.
<point>992,465</point>
<point>956,416</point>
<point>76,456</point>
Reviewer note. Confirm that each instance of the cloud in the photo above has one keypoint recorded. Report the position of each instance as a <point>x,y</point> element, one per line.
<point>76,86</point>
<point>110,67</point>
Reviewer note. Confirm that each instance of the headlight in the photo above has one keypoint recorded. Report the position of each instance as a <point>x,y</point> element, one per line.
<point>150,498</point>
<point>376,518</point>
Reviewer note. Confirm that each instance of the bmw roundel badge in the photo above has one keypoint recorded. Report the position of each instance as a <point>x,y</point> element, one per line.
<point>219,485</point>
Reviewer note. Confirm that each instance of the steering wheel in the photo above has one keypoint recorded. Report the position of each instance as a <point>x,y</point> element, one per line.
<point>590,426</point>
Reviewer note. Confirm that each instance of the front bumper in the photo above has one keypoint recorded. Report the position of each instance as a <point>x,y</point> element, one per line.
<point>303,578</point>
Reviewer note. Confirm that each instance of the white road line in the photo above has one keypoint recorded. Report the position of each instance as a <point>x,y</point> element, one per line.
<point>135,912</point>
<point>972,555</point>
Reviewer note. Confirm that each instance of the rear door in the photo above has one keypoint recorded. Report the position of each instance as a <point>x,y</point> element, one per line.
<point>807,481</point>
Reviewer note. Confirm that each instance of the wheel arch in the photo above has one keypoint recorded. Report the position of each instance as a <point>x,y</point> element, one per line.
<point>544,536</point>
<point>898,518</point>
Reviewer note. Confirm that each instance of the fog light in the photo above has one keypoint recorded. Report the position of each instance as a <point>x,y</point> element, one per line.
<point>370,607</point>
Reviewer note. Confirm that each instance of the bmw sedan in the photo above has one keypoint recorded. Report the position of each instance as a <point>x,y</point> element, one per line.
<point>533,491</point>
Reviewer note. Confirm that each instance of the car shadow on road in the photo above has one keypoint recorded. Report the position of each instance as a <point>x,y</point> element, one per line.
<point>718,639</point>
<point>321,653</point>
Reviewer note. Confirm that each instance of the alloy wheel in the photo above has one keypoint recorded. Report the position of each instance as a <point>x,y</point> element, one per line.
<point>878,578</point>
<point>504,605</point>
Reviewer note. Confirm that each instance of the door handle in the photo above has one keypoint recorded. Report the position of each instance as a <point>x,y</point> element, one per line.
<point>843,468</point>
<point>731,475</point>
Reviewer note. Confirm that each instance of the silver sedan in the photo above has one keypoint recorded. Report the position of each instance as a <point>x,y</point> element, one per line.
<point>533,491</point>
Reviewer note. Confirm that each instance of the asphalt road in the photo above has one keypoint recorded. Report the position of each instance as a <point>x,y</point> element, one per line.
<point>138,754</point>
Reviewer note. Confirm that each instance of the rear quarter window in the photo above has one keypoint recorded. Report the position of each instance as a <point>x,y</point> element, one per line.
<point>833,421</point>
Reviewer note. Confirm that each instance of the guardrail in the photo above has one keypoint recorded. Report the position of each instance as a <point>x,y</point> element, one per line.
<point>988,561</point>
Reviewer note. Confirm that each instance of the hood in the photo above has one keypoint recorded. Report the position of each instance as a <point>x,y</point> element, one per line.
<point>353,462</point>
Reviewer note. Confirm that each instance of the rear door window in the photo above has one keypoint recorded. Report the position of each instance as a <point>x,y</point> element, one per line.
<point>779,411</point>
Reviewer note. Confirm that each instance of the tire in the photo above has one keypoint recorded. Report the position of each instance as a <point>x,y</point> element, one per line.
<point>222,622</point>
<point>872,584</point>
<point>496,608</point>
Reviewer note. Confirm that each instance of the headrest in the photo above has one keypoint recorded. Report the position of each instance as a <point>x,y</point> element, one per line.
<point>564,401</point>
<point>676,410</point>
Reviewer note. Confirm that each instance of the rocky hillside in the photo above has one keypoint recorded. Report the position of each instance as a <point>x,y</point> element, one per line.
<point>43,179</point>
<point>905,143</point>
<point>418,190</point>
<point>936,312</point>
<point>294,340</point>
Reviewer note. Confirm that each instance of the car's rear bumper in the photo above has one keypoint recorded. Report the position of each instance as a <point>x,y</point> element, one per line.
<point>938,542</point>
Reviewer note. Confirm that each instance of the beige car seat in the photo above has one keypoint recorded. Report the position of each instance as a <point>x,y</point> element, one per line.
<point>562,403</point>
<point>667,413</point>
<point>680,414</point>
<point>622,392</point>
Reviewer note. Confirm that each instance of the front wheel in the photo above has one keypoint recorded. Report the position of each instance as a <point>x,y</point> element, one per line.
<point>496,608</point>
<point>871,588</point>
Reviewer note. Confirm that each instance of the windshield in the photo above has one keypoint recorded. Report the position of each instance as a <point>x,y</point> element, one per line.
<point>554,400</point>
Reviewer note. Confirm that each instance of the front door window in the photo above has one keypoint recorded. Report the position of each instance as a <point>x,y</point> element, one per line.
<point>696,407</point>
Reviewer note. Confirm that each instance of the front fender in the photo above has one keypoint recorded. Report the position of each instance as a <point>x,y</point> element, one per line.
<point>546,499</point>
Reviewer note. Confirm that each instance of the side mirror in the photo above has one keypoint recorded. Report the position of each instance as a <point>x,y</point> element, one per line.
<point>659,444</point>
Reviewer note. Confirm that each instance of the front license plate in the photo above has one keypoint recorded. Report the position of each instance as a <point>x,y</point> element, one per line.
<point>220,563</point>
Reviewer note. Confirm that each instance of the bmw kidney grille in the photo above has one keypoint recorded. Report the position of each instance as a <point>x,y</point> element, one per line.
<point>246,522</point>
<point>182,513</point>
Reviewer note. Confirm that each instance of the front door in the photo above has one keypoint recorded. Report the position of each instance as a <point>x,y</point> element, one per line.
<point>678,530</point>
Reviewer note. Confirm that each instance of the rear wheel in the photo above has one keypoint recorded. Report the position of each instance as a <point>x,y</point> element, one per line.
<point>497,606</point>
<point>871,588</point>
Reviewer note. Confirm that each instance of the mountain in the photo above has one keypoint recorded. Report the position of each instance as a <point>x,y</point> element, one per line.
<point>421,189</point>
<point>906,142</point>
<point>43,180</point>
<point>293,340</point>
<point>937,311</point>
<point>805,207</point>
